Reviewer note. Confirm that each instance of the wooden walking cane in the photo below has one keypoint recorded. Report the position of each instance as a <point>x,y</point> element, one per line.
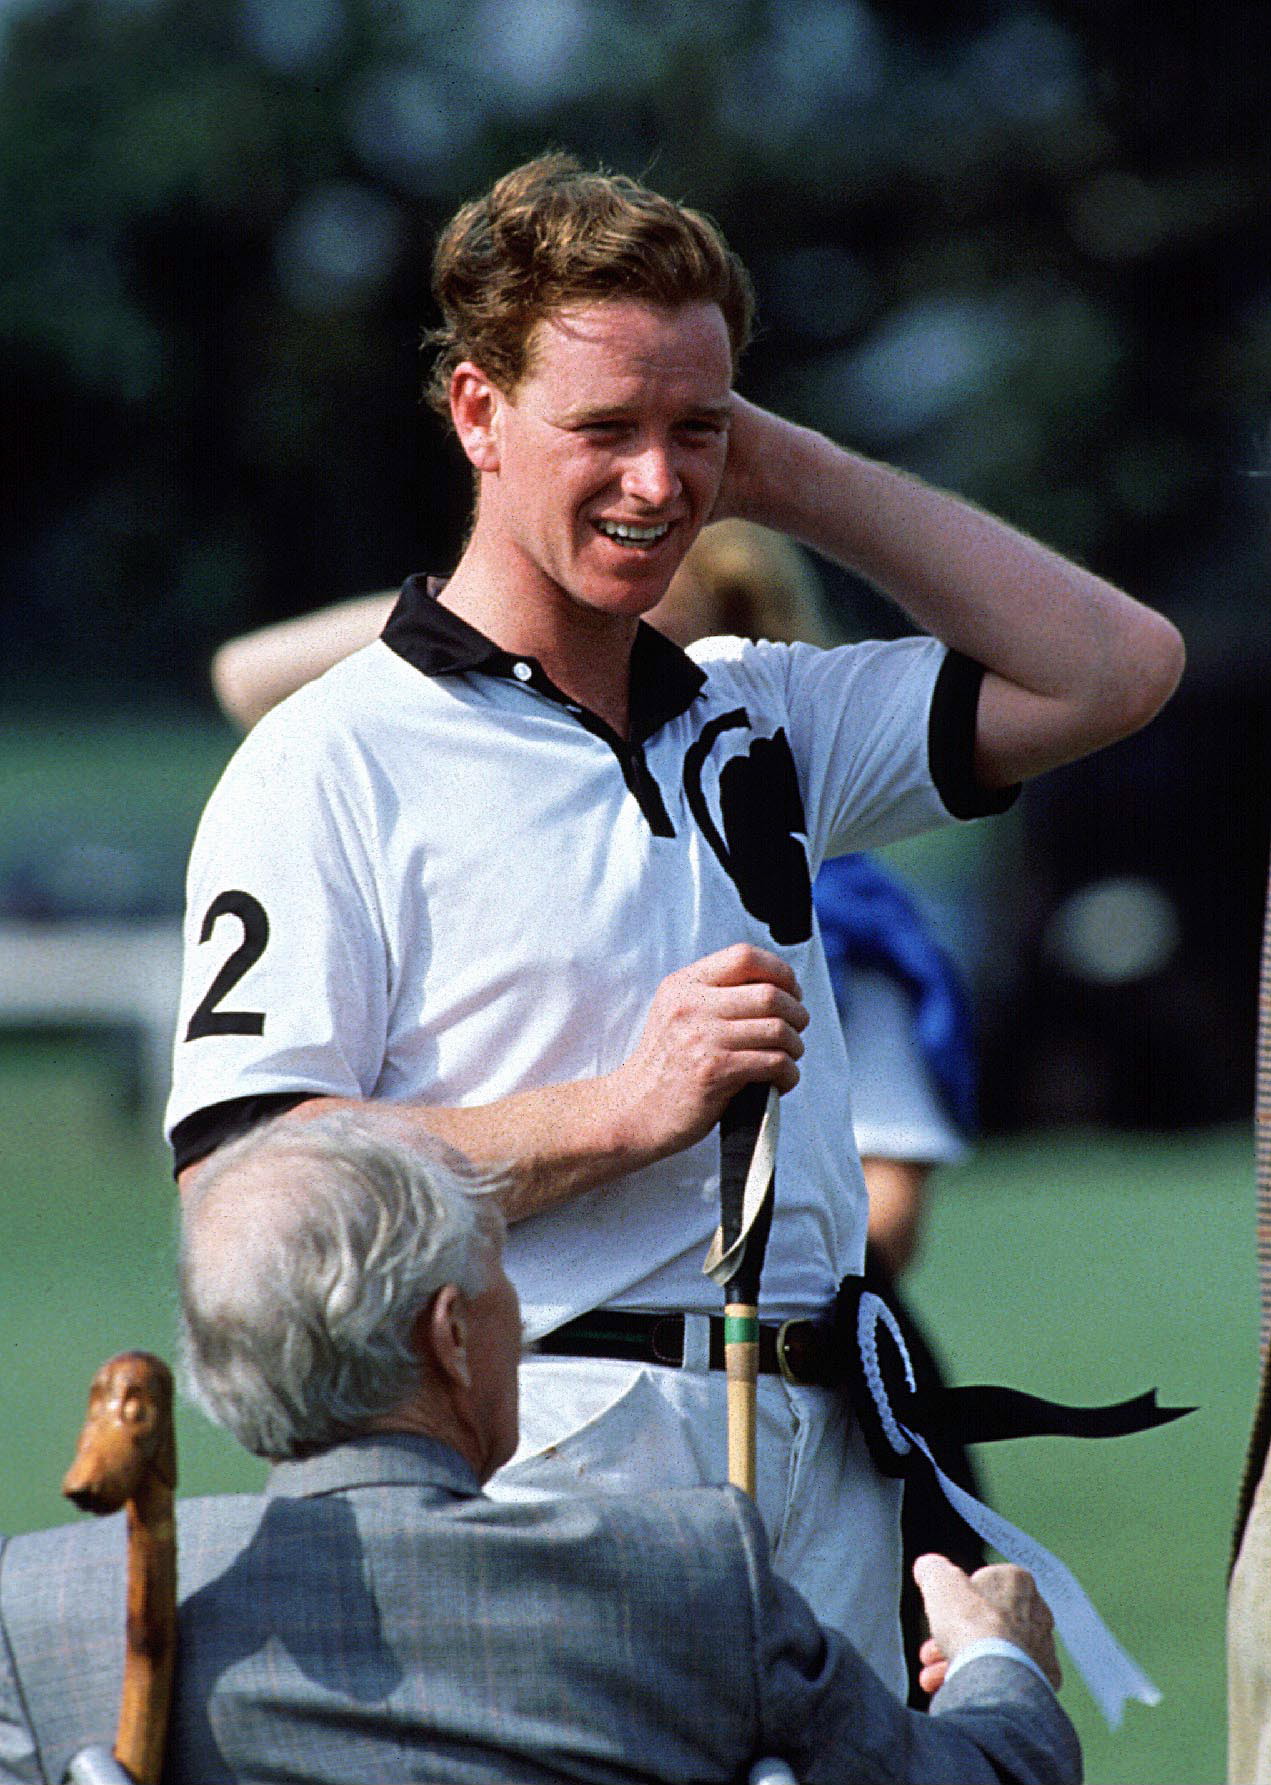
<point>747,1148</point>
<point>126,1457</point>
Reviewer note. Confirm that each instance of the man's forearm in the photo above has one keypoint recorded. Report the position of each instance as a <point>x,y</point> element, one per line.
<point>1075,663</point>
<point>732,1018</point>
<point>547,1145</point>
<point>550,1144</point>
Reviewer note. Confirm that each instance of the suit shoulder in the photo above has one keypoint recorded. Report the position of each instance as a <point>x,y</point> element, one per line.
<point>670,1518</point>
<point>714,1534</point>
<point>724,1512</point>
<point>682,1561</point>
<point>69,1545</point>
<point>86,1542</point>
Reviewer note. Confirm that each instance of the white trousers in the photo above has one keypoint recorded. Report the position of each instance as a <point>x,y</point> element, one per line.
<point>599,1425</point>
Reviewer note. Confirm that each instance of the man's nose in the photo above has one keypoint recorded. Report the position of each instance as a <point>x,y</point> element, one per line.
<point>650,476</point>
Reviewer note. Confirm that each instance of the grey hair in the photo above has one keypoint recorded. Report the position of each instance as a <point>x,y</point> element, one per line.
<point>308,1250</point>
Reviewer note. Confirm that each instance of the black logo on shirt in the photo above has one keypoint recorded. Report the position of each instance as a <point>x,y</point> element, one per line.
<point>761,811</point>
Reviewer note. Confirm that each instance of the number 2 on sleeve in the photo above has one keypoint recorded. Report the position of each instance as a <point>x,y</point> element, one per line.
<point>207,1019</point>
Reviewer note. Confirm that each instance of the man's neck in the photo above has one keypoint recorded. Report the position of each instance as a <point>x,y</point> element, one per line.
<point>585,653</point>
<point>420,1418</point>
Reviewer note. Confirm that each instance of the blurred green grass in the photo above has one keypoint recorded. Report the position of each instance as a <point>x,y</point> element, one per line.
<point>88,1226</point>
<point>1089,1268</point>
<point>1086,1267</point>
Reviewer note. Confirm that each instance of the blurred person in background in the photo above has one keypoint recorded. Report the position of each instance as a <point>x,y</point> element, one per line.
<point>525,875</point>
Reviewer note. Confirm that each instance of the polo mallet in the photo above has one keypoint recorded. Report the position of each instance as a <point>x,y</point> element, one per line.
<point>747,1157</point>
<point>126,1457</point>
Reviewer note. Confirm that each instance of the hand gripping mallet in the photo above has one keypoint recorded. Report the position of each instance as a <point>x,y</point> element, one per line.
<point>747,1155</point>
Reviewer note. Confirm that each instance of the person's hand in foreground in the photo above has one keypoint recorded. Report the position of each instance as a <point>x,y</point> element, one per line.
<point>1000,1601</point>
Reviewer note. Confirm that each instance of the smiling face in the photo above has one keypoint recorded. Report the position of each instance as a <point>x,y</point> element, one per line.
<point>604,463</point>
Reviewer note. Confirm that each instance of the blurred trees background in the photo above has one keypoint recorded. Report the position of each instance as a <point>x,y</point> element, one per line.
<point>1021,246</point>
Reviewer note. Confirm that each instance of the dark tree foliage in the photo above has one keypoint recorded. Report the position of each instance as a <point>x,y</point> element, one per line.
<point>1023,248</point>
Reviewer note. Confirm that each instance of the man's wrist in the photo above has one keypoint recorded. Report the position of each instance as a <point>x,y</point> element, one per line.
<point>618,1124</point>
<point>999,1646</point>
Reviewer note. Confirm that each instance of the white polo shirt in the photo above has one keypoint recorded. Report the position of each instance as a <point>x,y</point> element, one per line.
<point>429,875</point>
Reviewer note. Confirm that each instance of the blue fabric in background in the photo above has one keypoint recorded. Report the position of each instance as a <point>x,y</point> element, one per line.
<point>868,919</point>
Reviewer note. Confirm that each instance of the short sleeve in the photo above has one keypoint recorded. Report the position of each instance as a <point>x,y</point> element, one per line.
<point>859,718</point>
<point>955,705</point>
<point>285,976</point>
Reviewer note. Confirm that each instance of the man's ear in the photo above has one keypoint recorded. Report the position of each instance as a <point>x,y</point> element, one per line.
<point>441,1333</point>
<point>475,409</point>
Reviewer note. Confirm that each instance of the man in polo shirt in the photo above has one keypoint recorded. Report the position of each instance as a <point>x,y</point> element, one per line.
<point>524,875</point>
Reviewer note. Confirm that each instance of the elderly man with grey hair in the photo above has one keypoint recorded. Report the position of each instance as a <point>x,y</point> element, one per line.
<point>374,1616</point>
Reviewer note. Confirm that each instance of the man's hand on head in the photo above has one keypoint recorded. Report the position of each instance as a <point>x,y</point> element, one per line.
<point>745,491</point>
<point>1001,1601</point>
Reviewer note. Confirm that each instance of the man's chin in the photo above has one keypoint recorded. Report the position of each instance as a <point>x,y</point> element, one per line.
<point>635,573</point>
<point>623,601</point>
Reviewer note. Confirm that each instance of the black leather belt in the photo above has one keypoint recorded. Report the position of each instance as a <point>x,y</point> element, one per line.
<point>796,1350</point>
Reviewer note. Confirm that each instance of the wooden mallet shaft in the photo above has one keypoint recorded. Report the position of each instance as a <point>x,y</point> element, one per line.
<point>741,1369</point>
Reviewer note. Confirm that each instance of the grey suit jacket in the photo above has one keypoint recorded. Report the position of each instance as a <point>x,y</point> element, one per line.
<point>373,1617</point>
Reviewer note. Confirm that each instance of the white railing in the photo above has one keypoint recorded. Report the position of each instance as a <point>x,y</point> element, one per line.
<point>74,973</point>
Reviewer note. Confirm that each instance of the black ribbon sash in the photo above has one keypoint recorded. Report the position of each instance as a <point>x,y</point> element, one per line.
<point>898,1413</point>
<point>886,1395</point>
<point>987,1414</point>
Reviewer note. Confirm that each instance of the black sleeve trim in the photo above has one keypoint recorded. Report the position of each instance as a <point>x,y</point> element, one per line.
<point>196,1136</point>
<point>955,702</point>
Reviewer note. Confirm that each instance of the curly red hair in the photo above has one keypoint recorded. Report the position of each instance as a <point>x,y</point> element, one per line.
<point>550,235</point>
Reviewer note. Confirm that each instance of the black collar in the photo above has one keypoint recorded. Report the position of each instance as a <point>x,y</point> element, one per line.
<point>664,679</point>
